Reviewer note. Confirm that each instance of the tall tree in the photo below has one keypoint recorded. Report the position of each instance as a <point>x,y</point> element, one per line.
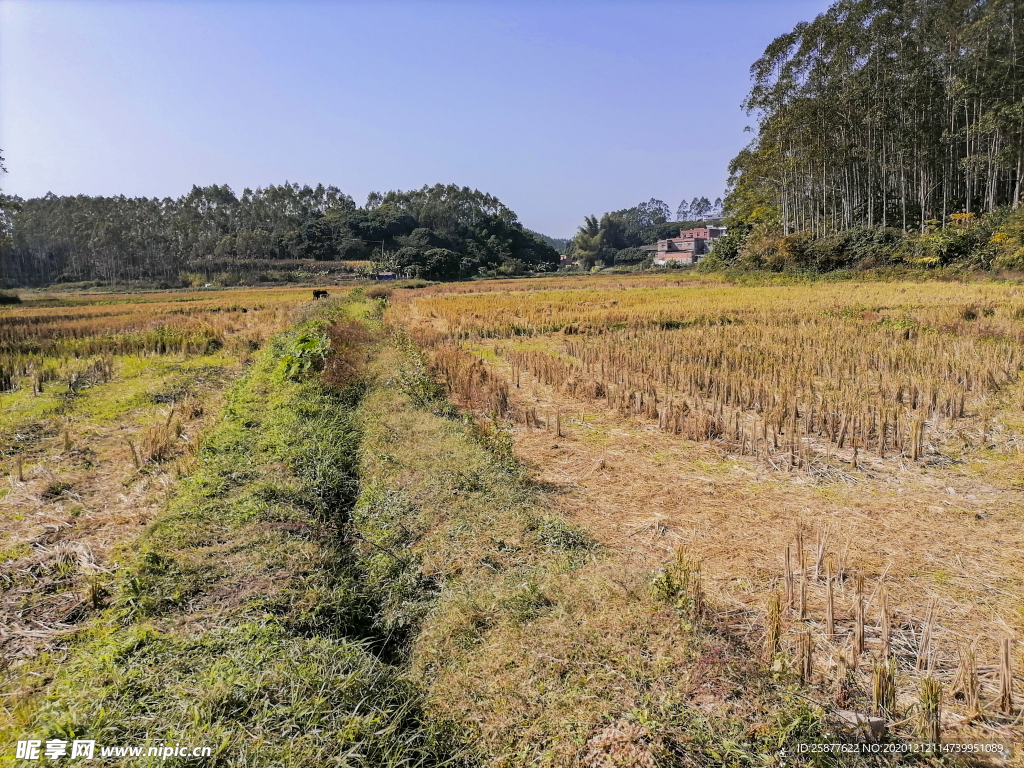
<point>7,206</point>
<point>886,113</point>
<point>700,208</point>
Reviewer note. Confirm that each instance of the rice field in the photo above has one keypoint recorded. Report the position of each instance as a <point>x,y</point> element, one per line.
<point>844,461</point>
<point>827,475</point>
<point>103,403</point>
<point>731,364</point>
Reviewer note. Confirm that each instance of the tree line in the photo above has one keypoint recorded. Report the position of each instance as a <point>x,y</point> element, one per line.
<point>885,113</point>
<point>442,232</point>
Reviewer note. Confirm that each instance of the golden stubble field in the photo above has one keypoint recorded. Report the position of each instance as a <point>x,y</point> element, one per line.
<point>869,434</point>
<point>103,402</point>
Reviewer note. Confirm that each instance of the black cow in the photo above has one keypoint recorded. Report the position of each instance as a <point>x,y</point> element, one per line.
<point>320,295</point>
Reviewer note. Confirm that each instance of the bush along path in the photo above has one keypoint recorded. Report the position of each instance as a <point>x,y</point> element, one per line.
<point>238,620</point>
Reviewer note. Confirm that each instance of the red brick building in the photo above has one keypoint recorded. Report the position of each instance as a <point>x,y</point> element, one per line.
<point>688,247</point>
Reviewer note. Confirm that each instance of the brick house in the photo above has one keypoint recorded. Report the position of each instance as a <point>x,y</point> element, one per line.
<point>687,248</point>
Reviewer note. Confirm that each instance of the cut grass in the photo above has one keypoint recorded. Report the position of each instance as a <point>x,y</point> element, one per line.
<point>239,621</point>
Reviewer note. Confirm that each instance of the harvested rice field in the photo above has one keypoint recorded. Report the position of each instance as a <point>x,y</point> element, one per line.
<point>567,521</point>
<point>104,401</point>
<point>842,462</point>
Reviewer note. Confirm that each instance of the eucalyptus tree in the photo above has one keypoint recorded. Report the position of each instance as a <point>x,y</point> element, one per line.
<point>7,207</point>
<point>700,208</point>
<point>886,113</point>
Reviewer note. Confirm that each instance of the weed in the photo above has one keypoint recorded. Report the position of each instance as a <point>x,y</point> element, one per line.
<point>558,534</point>
<point>680,583</point>
<point>56,490</point>
<point>527,603</point>
<point>305,353</point>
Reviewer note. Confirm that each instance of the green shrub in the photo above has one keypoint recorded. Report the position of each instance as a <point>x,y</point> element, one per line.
<point>630,256</point>
<point>728,247</point>
<point>1008,241</point>
<point>711,263</point>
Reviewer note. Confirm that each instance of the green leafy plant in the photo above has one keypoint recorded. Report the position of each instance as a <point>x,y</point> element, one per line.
<point>305,354</point>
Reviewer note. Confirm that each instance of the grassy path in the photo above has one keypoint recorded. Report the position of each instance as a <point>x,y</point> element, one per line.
<point>238,620</point>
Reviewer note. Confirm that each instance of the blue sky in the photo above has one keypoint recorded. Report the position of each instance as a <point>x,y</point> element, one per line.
<point>560,108</point>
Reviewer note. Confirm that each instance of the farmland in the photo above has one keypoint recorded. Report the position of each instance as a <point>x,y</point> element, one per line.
<point>643,520</point>
<point>105,400</point>
<point>172,569</point>
<point>852,448</point>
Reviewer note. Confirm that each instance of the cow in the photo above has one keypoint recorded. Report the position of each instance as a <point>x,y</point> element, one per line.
<point>320,295</point>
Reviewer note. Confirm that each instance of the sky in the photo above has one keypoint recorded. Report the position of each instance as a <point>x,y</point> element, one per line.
<point>560,108</point>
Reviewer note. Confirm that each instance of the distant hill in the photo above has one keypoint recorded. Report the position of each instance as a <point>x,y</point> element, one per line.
<point>558,243</point>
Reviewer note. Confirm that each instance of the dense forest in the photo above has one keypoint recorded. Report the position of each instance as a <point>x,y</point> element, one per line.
<point>442,232</point>
<point>900,115</point>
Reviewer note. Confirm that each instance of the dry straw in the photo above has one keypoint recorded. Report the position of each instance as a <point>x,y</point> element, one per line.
<point>930,710</point>
<point>773,628</point>
<point>883,688</point>
<point>924,648</point>
<point>841,569</point>
<point>134,454</point>
<point>883,602</point>
<point>830,624</point>
<point>805,660</point>
<point>1005,677</point>
<point>819,555</point>
<point>966,680</point>
<point>844,684</point>
<point>692,585</point>
<point>858,626</point>
<point>788,578</point>
<point>801,556</point>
